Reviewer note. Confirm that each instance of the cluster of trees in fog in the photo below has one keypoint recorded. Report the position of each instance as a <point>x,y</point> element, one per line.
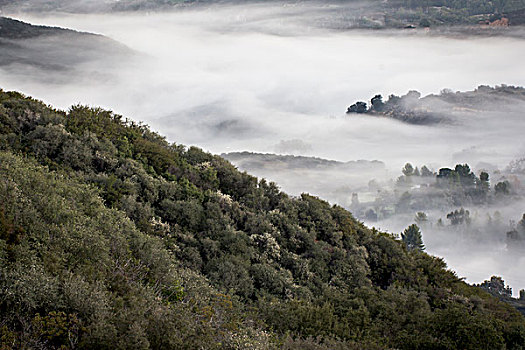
<point>420,189</point>
<point>496,287</point>
<point>432,109</point>
<point>413,240</point>
<point>408,108</point>
<point>378,105</point>
<point>450,191</point>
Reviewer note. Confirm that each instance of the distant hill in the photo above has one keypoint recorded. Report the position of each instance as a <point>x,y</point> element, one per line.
<point>52,48</point>
<point>252,160</point>
<point>87,6</point>
<point>333,180</point>
<point>14,29</point>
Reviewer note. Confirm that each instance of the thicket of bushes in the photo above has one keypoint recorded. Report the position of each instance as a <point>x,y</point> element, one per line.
<point>112,238</point>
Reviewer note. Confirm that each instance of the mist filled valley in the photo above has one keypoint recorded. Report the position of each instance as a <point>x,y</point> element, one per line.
<point>279,90</point>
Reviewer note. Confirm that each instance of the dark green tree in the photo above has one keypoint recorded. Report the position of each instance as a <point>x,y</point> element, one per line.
<point>484,183</point>
<point>425,23</point>
<point>358,107</point>
<point>411,236</point>
<point>496,286</point>
<point>502,188</point>
<point>458,217</point>
<point>377,103</point>
<point>408,169</point>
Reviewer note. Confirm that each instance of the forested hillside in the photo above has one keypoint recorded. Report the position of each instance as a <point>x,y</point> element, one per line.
<point>344,14</point>
<point>110,237</point>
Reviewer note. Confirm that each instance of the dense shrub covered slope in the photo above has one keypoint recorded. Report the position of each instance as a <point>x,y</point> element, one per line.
<point>112,238</point>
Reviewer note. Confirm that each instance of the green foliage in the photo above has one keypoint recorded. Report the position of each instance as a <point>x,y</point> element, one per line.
<point>411,236</point>
<point>496,286</point>
<point>459,217</point>
<point>112,238</point>
<point>502,188</point>
<point>453,12</point>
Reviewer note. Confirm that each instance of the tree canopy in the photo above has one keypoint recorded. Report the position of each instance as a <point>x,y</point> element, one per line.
<point>412,238</point>
<point>112,238</point>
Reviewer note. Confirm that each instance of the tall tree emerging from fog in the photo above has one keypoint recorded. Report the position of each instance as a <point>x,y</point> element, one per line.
<point>412,238</point>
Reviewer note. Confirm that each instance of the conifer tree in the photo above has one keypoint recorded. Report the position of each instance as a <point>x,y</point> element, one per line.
<point>411,236</point>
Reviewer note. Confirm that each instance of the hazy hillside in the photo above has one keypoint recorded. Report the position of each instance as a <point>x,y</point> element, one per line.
<point>25,48</point>
<point>250,160</point>
<point>112,238</point>
<point>332,180</point>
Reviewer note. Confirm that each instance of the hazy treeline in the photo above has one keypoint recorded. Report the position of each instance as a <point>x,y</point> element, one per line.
<point>112,238</point>
<point>432,109</point>
<point>449,191</point>
<point>332,180</point>
<point>344,14</point>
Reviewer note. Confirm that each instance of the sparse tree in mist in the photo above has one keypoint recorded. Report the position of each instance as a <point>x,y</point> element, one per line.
<point>425,23</point>
<point>393,100</point>
<point>408,169</point>
<point>445,174</point>
<point>412,95</point>
<point>521,224</point>
<point>425,172</point>
<point>484,176</point>
<point>358,107</point>
<point>377,103</point>
<point>411,99</point>
<point>371,215</point>
<point>412,238</point>
<point>522,294</point>
<point>502,188</point>
<point>517,234</point>
<point>404,202</point>
<point>484,183</point>
<point>466,177</point>
<point>401,181</point>
<point>496,286</point>
<point>416,172</point>
<point>459,217</point>
<point>421,218</point>
<point>355,200</point>
<point>461,177</point>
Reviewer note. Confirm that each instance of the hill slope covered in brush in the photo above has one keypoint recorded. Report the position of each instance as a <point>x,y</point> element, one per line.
<point>112,238</point>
